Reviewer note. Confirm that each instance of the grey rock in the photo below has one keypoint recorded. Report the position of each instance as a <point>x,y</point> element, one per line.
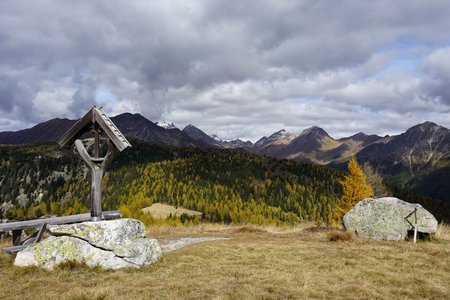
<point>55,250</point>
<point>143,252</point>
<point>388,218</point>
<point>116,235</point>
<point>111,244</point>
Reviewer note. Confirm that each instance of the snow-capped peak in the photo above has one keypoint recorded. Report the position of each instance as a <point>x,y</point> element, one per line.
<point>166,125</point>
<point>216,137</point>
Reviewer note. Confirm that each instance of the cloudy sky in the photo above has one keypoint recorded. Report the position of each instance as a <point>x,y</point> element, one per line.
<point>235,68</point>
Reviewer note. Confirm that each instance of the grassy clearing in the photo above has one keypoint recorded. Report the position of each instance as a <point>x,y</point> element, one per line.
<point>255,263</point>
<point>160,210</point>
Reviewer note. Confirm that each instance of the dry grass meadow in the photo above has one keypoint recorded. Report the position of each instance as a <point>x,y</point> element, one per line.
<point>255,263</point>
<point>160,210</point>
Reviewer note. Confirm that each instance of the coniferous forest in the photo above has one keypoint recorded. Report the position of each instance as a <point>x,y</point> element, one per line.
<point>228,186</point>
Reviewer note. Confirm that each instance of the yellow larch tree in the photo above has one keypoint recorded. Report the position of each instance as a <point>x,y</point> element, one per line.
<point>355,189</point>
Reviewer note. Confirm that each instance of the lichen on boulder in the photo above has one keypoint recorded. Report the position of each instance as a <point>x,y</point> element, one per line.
<point>388,218</point>
<point>109,244</point>
<point>117,235</point>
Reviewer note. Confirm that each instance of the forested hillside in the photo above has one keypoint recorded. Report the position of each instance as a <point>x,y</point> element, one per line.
<point>225,185</point>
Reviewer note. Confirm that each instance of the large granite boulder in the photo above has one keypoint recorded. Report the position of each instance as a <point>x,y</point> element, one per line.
<point>117,235</point>
<point>388,218</point>
<point>111,244</point>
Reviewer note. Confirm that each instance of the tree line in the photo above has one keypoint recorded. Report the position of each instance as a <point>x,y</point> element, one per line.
<point>228,186</point>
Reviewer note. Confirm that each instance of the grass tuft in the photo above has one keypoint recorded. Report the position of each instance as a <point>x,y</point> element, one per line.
<point>18,272</point>
<point>249,229</point>
<point>443,232</point>
<point>73,265</point>
<point>338,235</point>
<point>84,296</point>
<point>319,228</point>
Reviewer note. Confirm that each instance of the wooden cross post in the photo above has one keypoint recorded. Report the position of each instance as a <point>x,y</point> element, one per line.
<point>97,165</point>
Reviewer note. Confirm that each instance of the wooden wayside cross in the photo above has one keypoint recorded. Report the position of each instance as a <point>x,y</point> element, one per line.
<point>96,122</point>
<point>414,212</point>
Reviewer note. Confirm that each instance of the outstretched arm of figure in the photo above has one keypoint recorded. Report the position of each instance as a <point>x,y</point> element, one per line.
<point>83,153</point>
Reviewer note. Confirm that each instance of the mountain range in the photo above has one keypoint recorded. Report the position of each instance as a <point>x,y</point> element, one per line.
<point>416,159</point>
<point>312,145</point>
<point>131,125</point>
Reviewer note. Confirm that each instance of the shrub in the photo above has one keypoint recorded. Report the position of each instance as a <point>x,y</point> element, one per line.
<point>338,235</point>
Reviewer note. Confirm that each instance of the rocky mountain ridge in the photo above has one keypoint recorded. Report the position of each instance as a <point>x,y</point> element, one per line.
<point>420,148</point>
<point>131,125</point>
<point>418,159</point>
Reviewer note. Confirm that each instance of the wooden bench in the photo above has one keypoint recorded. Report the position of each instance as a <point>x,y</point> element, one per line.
<point>40,225</point>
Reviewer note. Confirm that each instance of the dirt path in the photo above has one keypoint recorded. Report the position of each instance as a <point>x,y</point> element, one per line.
<point>168,245</point>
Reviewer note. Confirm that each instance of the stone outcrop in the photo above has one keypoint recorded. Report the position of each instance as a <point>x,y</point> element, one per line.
<point>388,218</point>
<point>109,244</point>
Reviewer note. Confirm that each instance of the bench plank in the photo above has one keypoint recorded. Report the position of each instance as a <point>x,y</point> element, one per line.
<point>15,249</point>
<point>114,214</point>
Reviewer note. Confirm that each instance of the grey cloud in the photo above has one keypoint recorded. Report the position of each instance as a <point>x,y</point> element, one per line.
<point>8,95</point>
<point>14,97</point>
<point>437,66</point>
<point>84,97</point>
<point>225,63</point>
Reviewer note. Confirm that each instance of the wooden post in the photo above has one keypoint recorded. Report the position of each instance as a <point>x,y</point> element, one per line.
<point>97,141</point>
<point>96,192</point>
<point>40,233</point>
<point>17,237</point>
<point>415,226</point>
